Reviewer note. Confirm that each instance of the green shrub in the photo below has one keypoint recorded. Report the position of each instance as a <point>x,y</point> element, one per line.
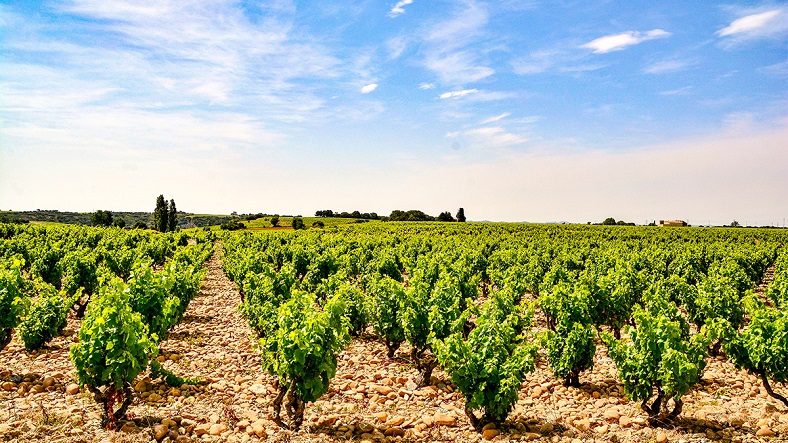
<point>386,297</point>
<point>489,366</point>
<point>114,346</point>
<point>13,302</point>
<point>302,352</point>
<point>46,319</point>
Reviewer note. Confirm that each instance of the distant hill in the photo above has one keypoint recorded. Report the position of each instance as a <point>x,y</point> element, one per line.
<point>185,219</point>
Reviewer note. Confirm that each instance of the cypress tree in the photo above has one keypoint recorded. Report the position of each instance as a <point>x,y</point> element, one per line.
<point>160,218</point>
<point>461,215</point>
<point>172,216</point>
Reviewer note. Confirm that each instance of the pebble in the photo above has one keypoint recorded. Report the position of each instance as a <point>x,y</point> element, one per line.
<point>662,437</point>
<point>72,389</point>
<point>765,432</point>
<point>442,419</point>
<point>489,434</point>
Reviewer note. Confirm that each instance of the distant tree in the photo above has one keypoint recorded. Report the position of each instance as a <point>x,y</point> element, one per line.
<point>275,220</point>
<point>160,216</point>
<point>653,223</point>
<point>172,216</point>
<point>445,217</point>
<point>120,223</point>
<point>412,215</point>
<point>355,214</point>
<point>101,218</point>
<point>461,215</point>
<point>324,213</point>
<point>318,224</point>
<point>298,223</point>
<point>735,224</point>
<point>140,225</point>
<point>609,221</point>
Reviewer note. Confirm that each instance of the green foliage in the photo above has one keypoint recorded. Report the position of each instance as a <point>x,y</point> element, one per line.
<point>113,341</point>
<point>114,347</point>
<point>46,318</point>
<point>489,366</point>
<point>80,271</point>
<point>160,215</point>
<point>355,307</point>
<point>275,220</point>
<point>13,302</point>
<point>762,347</point>
<point>150,295</point>
<point>386,298</point>
<point>101,218</point>
<point>659,359</point>
<point>298,223</point>
<point>263,294</point>
<point>172,216</point>
<point>570,342</point>
<point>717,298</point>
<point>302,351</point>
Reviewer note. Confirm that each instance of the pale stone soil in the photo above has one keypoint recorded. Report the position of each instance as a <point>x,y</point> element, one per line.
<point>372,398</point>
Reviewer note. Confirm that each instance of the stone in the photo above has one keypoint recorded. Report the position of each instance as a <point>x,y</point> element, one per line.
<point>129,427</point>
<point>8,386</point>
<point>536,392</point>
<point>258,429</point>
<point>381,416</point>
<point>217,429</point>
<point>395,421</point>
<point>202,429</point>
<point>583,425</point>
<point>48,381</point>
<point>662,437</point>
<point>72,389</point>
<point>531,436</point>
<point>611,414</point>
<point>624,421</point>
<point>169,423</point>
<point>765,432</point>
<point>394,432</point>
<point>258,389</point>
<point>490,434</point>
<point>141,386</point>
<point>442,419</point>
<point>160,431</point>
<point>602,430</point>
<point>383,390</point>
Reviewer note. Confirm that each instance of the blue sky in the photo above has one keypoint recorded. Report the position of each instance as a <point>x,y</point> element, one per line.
<point>516,110</point>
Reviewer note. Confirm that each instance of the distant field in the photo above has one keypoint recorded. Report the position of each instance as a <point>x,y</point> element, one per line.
<point>287,222</point>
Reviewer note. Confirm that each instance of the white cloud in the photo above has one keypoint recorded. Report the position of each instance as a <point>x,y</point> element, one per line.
<point>396,46</point>
<point>779,70</point>
<point>495,119</point>
<point>764,22</point>
<point>426,86</point>
<point>618,42</point>
<point>369,88</point>
<point>399,8</point>
<point>494,136</point>
<point>667,66</point>
<point>454,48</point>
<point>679,91</point>
<point>458,94</point>
<point>458,67</point>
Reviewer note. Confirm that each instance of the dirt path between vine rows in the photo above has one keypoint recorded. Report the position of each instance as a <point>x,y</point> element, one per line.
<point>371,399</point>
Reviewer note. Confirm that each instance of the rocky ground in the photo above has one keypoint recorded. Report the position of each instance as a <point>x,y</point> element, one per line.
<point>372,398</point>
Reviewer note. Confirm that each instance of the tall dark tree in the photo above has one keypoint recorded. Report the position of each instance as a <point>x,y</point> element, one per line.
<point>172,216</point>
<point>445,217</point>
<point>160,217</point>
<point>461,215</point>
<point>101,218</point>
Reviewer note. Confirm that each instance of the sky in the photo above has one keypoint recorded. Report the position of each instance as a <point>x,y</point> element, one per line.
<point>515,110</point>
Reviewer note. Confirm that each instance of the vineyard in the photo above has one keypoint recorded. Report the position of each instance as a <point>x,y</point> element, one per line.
<point>394,331</point>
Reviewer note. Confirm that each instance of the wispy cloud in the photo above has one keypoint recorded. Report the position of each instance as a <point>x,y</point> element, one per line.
<point>458,94</point>
<point>779,70</point>
<point>452,47</point>
<point>495,119</point>
<point>760,24</point>
<point>369,88</point>
<point>679,91</point>
<point>426,86</point>
<point>667,66</point>
<point>399,8</point>
<point>617,42</point>
<point>495,136</point>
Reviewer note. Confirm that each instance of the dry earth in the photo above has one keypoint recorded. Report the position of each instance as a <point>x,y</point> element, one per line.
<point>372,397</point>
